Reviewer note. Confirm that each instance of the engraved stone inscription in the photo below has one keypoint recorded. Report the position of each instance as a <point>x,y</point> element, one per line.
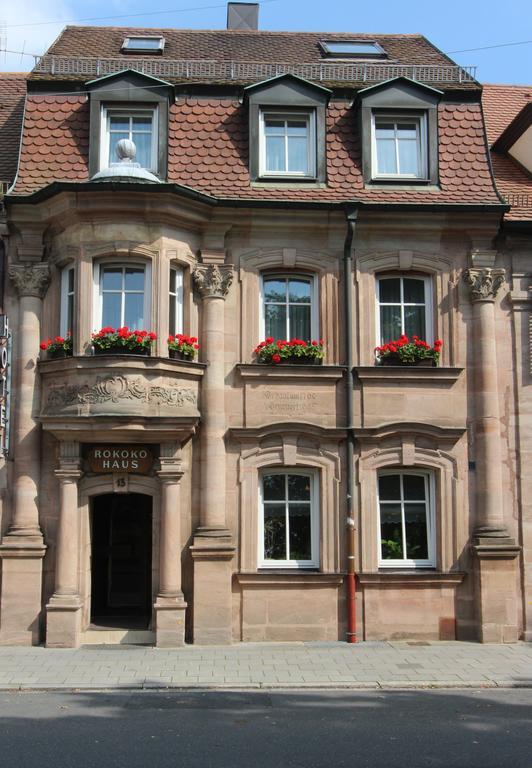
<point>289,402</point>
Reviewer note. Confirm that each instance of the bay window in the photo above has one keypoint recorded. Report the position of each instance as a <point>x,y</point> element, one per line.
<point>122,296</point>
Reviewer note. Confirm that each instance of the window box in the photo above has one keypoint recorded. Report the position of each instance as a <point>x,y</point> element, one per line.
<point>393,360</point>
<point>294,352</point>
<point>122,341</point>
<point>176,354</point>
<point>119,350</point>
<point>405,351</point>
<point>58,348</point>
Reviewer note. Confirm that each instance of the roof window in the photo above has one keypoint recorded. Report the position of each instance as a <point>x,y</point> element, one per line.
<point>145,44</point>
<point>352,49</point>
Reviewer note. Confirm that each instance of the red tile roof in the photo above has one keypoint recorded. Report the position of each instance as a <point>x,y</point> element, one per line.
<point>502,104</point>
<point>208,151</point>
<point>12,92</point>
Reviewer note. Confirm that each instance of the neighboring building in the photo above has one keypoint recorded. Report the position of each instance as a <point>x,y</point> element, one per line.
<point>333,186</point>
<point>508,114</point>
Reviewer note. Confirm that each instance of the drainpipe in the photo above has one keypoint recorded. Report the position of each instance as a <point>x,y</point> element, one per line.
<point>351,214</point>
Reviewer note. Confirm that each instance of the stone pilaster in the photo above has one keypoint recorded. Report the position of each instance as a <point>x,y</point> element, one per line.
<point>170,604</point>
<point>213,549</point>
<point>495,551</point>
<point>63,612</point>
<point>22,548</point>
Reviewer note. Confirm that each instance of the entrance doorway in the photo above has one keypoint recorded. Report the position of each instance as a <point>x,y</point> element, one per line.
<point>121,560</point>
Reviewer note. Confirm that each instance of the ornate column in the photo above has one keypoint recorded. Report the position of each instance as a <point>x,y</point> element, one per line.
<point>22,548</point>
<point>495,551</point>
<point>63,612</point>
<point>170,605</point>
<point>212,550</point>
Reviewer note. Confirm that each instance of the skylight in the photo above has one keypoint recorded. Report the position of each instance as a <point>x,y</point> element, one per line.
<point>151,44</point>
<point>353,48</point>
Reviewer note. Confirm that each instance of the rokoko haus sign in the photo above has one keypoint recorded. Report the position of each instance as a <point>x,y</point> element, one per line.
<point>135,459</point>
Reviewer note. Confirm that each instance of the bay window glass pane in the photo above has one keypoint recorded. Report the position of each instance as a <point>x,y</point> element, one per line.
<point>386,160</point>
<point>143,145</point>
<point>299,529</point>
<point>111,309</point>
<point>414,291</point>
<point>299,487</point>
<point>297,155</point>
<point>275,153</point>
<point>416,532</point>
<point>275,320</point>
<point>414,488</point>
<point>134,311</point>
<point>299,291</point>
<point>390,323</point>
<point>134,279</point>
<point>390,290</point>
<point>415,321</point>
<point>275,290</point>
<point>391,532</point>
<point>274,487</point>
<point>173,281</point>
<point>389,487</point>
<point>408,158</point>
<point>300,322</point>
<point>274,532</point>
<point>112,279</point>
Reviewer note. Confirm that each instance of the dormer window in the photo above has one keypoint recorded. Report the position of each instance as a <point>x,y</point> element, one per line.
<point>288,145</point>
<point>354,49</point>
<point>138,125</point>
<point>145,44</point>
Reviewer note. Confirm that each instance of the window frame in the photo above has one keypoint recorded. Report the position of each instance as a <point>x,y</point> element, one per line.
<point>128,45</point>
<point>314,562</point>
<point>107,110</point>
<point>420,119</point>
<point>429,316</point>
<point>177,299</point>
<point>377,54</point>
<point>314,309</point>
<point>430,502</point>
<point>66,293</point>
<point>97,291</point>
<point>286,114</point>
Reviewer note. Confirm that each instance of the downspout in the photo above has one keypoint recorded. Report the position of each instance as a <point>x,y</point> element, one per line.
<point>351,214</point>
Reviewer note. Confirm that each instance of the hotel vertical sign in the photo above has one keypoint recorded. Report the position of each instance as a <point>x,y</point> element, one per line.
<point>5,384</point>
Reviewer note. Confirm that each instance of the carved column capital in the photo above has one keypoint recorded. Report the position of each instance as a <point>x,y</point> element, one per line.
<point>213,281</point>
<point>30,279</point>
<point>483,283</point>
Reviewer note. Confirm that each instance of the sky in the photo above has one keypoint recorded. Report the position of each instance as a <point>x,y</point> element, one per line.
<point>452,25</point>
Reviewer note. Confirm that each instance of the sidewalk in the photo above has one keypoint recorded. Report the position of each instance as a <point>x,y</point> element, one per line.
<point>270,665</point>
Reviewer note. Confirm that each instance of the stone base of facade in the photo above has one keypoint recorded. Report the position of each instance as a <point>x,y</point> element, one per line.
<point>63,622</point>
<point>416,606</point>
<point>169,621</point>
<point>212,553</point>
<point>289,607</point>
<point>497,581</point>
<point>20,603</point>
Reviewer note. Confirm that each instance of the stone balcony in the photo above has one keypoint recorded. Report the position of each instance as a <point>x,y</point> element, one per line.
<point>126,396</point>
<point>408,394</point>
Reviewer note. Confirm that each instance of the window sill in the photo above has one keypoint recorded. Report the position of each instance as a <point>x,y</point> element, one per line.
<point>289,182</point>
<point>411,577</point>
<point>288,578</point>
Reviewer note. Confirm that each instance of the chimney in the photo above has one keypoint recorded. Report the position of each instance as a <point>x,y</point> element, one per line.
<point>242,15</point>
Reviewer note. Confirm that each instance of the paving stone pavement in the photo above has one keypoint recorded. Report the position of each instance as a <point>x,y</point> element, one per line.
<point>269,665</point>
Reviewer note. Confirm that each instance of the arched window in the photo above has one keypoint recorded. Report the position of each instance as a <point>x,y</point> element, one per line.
<point>289,306</point>
<point>404,306</point>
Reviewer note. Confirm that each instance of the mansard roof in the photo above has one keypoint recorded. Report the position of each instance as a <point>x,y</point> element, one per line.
<point>12,93</point>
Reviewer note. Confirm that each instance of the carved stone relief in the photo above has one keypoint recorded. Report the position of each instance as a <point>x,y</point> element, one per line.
<point>114,389</point>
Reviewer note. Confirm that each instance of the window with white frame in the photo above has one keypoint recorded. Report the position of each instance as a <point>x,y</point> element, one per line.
<point>404,306</point>
<point>287,144</point>
<point>122,296</point>
<point>289,306</point>
<point>66,320</point>
<point>289,526</point>
<point>399,147</point>
<point>138,125</point>
<point>175,319</point>
<point>406,519</point>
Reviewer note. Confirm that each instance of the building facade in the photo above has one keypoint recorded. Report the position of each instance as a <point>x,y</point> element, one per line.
<point>235,186</point>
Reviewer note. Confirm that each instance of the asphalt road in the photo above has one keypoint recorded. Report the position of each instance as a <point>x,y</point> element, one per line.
<point>310,729</point>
